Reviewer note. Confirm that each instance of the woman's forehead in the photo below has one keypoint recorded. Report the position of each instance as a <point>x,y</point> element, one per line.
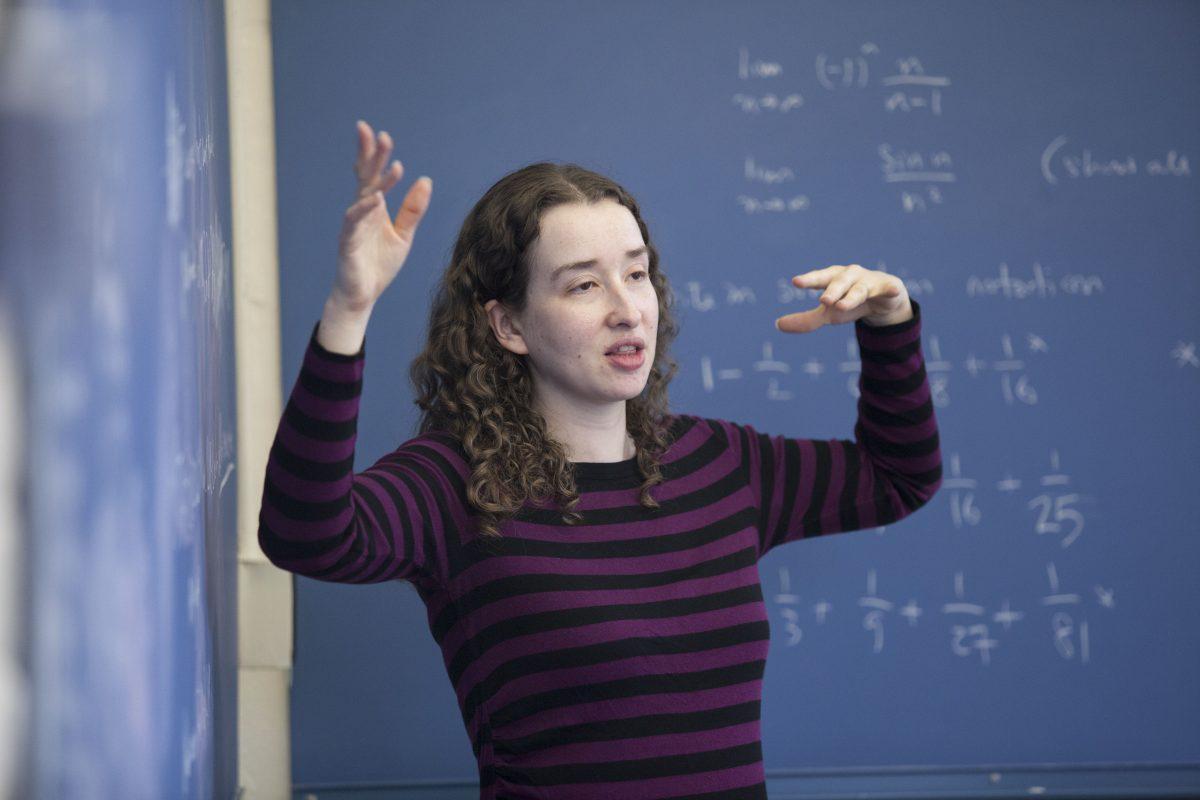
<point>575,232</point>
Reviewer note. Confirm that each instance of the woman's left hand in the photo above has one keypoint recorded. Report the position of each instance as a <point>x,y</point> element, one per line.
<point>851,292</point>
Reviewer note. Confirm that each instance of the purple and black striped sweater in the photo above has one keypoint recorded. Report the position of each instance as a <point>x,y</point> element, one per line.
<point>622,657</point>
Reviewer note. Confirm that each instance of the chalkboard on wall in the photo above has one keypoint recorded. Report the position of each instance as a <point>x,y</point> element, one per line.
<point>1029,171</point>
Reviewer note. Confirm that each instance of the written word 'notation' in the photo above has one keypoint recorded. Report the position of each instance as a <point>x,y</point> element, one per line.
<point>974,630</point>
<point>1039,286</point>
<point>1054,505</point>
<point>1060,162</point>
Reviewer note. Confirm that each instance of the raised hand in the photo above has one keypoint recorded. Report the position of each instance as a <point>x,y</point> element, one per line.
<point>851,292</point>
<point>371,246</point>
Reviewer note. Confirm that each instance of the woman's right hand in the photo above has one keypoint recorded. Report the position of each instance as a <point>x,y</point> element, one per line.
<point>372,247</point>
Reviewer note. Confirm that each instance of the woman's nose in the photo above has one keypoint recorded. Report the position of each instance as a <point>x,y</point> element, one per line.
<point>624,308</point>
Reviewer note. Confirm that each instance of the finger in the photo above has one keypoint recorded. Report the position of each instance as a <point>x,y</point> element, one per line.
<point>391,177</point>
<point>381,155</point>
<point>804,321</point>
<point>817,278</point>
<point>382,183</point>
<point>835,291</point>
<point>413,208</point>
<point>838,288</point>
<point>855,296</point>
<point>366,148</point>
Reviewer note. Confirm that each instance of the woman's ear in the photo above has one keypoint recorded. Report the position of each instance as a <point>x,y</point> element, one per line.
<point>506,327</point>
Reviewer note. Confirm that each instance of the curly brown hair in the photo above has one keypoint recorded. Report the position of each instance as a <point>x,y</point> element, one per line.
<point>470,386</point>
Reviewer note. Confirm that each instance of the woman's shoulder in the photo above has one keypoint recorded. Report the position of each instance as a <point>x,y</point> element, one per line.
<point>694,427</point>
<point>435,449</point>
<point>728,434</point>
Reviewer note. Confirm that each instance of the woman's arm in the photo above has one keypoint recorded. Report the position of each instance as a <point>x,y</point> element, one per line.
<point>812,487</point>
<point>320,519</point>
<point>317,517</point>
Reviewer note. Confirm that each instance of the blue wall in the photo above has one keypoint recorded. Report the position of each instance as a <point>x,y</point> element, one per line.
<point>1028,169</point>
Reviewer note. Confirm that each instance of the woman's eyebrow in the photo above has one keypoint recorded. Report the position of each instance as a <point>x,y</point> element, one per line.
<point>577,265</point>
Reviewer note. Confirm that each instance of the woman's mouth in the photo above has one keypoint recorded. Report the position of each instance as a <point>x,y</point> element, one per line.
<point>628,361</point>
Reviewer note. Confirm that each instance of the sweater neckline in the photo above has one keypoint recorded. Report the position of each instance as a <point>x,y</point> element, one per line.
<point>587,472</point>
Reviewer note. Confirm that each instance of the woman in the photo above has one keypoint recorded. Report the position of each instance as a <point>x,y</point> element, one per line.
<point>587,558</point>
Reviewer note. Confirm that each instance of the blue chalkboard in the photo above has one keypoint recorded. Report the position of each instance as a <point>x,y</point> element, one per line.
<point>1028,169</point>
<point>114,246</point>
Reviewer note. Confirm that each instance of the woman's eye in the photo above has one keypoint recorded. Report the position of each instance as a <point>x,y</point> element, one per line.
<point>643,273</point>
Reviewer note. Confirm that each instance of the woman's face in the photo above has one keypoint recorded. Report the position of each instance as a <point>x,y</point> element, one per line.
<point>589,289</point>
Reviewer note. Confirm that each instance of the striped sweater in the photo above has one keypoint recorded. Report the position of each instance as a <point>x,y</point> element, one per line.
<point>624,656</point>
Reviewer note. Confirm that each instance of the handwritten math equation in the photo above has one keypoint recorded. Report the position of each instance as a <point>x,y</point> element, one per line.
<point>767,88</point>
<point>973,630</point>
<point>1056,508</point>
<point>1010,368</point>
<point>904,85</point>
<point>1010,362</point>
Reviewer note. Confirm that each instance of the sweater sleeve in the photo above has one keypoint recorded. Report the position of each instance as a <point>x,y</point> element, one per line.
<point>811,487</point>
<point>321,520</point>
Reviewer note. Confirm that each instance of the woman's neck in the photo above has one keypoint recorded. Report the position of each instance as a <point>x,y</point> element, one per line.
<point>598,439</point>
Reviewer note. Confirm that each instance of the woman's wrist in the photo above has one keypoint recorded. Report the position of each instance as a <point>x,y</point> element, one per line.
<point>895,318</point>
<point>342,329</point>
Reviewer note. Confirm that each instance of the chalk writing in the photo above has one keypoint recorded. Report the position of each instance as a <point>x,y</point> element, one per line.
<point>755,68</point>
<point>755,205</point>
<point>1059,163</point>
<point>757,104</point>
<point>1055,515</point>
<point>917,90</point>
<point>973,630</point>
<point>1040,285</point>
<point>756,173</point>
<point>848,71</point>
<point>1184,354</point>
